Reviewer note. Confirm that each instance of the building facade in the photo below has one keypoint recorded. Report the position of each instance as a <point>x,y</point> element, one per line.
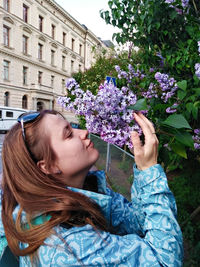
<point>41,45</point>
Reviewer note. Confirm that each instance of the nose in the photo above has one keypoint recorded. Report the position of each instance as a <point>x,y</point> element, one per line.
<point>83,134</point>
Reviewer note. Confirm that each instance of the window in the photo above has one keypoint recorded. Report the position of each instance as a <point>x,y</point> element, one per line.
<point>52,81</point>
<point>25,44</point>
<point>25,13</point>
<point>40,23</point>
<point>73,41</point>
<point>52,57</point>
<point>6,70</point>
<point>63,62</point>
<point>9,114</point>
<point>72,66</point>
<point>39,77</point>
<point>25,74</point>
<point>6,99</point>
<point>63,85</point>
<point>40,48</point>
<point>64,38</point>
<point>53,28</point>
<point>6,5</point>
<point>25,102</point>
<point>0,114</point>
<point>80,49</point>
<point>6,35</point>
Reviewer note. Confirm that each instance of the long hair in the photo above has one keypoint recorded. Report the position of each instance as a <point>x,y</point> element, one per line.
<point>26,185</point>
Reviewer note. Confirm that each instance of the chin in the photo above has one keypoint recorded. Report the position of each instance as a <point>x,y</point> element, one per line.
<point>95,157</point>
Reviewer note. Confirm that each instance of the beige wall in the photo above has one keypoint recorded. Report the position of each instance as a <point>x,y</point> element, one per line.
<point>63,22</point>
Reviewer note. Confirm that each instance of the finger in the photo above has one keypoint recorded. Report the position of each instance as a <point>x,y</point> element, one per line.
<point>135,139</point>
<point>144,126</point>
<point>148,122</point>
<point>150,125</point>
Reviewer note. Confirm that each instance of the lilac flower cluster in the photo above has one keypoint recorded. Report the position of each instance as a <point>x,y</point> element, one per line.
<point>197,65</point>
<point>172,109</point>
<point>151,92</point>
<point>184,4</point>
<point>198,43</point>
<point>196,138</point>
<point>167,85</point>
<point>132,73</point>
<point>162,60</point>
<point>106,113</point>
<point>197,70</point>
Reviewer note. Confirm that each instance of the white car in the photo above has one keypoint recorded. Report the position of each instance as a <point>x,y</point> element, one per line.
<point>8,117</point>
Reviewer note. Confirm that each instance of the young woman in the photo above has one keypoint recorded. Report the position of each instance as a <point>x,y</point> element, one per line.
<point>55,212</point>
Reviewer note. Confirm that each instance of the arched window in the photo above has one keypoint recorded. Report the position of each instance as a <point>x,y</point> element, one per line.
<point>25,102</point>
<point>6,99</point>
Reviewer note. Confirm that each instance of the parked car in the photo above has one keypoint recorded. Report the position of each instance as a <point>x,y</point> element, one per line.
<point>8,117</point>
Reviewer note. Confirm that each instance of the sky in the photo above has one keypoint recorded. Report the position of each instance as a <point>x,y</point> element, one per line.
<point>87,12</point>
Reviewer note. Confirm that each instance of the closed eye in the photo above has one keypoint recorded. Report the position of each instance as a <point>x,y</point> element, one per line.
<point>67,132</point>
<point>70,134</point>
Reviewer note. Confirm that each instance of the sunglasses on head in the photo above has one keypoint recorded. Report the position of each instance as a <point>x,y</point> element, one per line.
<point>25,118</point>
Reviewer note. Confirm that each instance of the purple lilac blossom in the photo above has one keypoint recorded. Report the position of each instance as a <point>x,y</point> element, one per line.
<point>151,70</point>
<point>151,92</point>
<point>198,47</point>
<point>196,138</point>
<point>158,54</point>
<point>130,74</point>
<point>106,113</point>
<point>169,1</point>
<point>197,70</point>
<point>185,3</point>
<point>167,85</point>
<point>172,109</point>
<point>70,83</point>
<point>167,146</point>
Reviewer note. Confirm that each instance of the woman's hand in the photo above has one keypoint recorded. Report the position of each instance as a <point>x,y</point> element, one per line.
<point>145,155</point>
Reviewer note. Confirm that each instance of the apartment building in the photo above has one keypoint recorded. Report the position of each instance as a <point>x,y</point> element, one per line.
<point>41,45</point>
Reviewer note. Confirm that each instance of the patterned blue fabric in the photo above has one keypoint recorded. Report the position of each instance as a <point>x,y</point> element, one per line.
<point>147,232</point>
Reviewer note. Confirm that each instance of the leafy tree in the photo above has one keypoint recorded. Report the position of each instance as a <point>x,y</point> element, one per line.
<point>167,33</point>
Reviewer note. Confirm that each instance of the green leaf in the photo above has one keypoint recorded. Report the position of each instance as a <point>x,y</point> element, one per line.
<point>141,104</point>
<point>197,104</point>
<point>181,94</point>
<point>197,90</point>
<point>185,138</point>
<point>182,85</point>
<point>179,149</point>
<point>189,107</point>
<point>177,121</point>
<point>194,112</point>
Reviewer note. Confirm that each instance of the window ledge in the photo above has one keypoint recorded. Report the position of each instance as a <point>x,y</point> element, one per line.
<point>26,54</point>
<point>8,47</point>
<point>41,60</point>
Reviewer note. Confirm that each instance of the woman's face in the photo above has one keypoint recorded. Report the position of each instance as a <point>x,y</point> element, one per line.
<point>74,151</point>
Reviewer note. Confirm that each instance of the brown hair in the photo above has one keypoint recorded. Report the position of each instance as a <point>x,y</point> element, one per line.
<point>25,184</point>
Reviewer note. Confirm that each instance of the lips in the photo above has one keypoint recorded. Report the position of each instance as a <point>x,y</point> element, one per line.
<point>90,144</point>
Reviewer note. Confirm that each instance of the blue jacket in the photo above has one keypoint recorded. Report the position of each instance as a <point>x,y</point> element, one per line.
<point>147,230</point>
